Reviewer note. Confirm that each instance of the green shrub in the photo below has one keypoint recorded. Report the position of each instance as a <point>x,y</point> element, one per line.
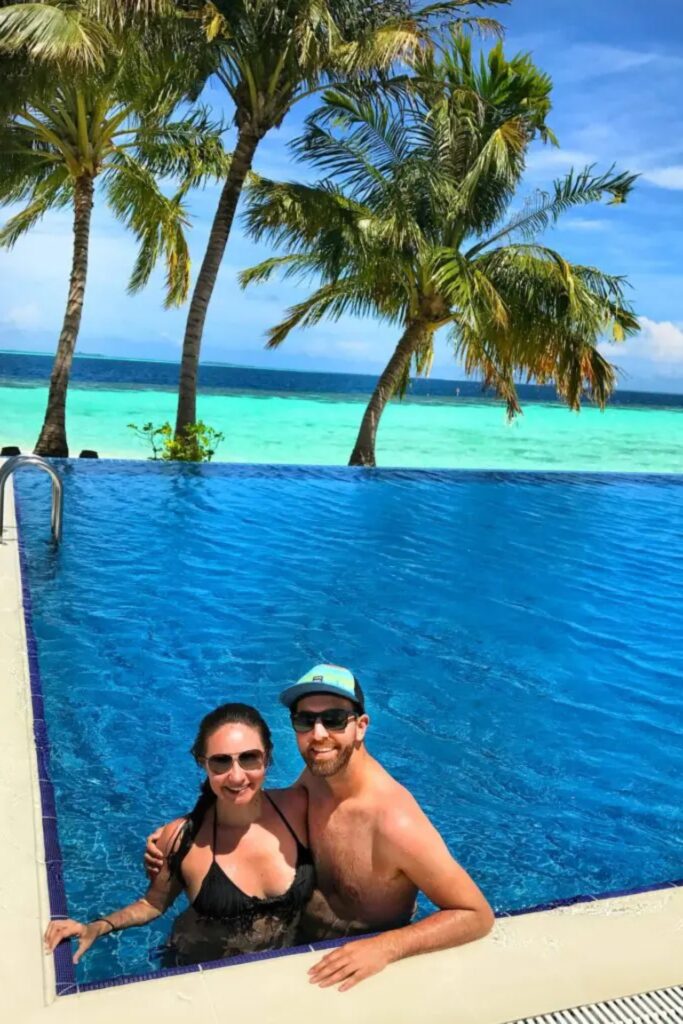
<point>197,443</point>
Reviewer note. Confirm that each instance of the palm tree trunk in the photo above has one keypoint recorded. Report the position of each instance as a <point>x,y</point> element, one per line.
<point>52,440</point>
<point>364,452</point>
<point>242,158</point>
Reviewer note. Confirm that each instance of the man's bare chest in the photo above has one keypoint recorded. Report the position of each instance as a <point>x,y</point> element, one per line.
<point>343,845</point>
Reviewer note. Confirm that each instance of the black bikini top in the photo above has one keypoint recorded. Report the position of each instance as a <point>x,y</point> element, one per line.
<point>220,899</point>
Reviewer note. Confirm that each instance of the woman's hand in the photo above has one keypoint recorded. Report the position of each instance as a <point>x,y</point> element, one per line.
<point>86,934</point>
<point>154,858</point>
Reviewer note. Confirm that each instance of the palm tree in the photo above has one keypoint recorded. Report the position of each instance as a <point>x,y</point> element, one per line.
<point>271,55</point>
<point>410,225</point>
<point>69,126</point>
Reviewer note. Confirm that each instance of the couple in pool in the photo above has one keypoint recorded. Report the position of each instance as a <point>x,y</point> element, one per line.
<point>342,852</point>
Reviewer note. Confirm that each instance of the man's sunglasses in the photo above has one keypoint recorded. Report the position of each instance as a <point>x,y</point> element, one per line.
<point>332,719</point>
<point>248,760</point>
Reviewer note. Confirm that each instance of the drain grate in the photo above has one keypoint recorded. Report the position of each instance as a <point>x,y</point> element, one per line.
<point>663,1006</point>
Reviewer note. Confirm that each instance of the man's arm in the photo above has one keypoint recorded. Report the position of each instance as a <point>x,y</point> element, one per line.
<point>409,843</point>
<point>420,853</point>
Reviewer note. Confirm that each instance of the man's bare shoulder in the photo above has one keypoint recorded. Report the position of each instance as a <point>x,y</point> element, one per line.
<point>292,799</point>
<point>304,781</point>
<point>397,810</point>
<point>293,803</point>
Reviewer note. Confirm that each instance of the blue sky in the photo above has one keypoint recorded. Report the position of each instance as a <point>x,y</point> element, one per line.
<point>616,67</point>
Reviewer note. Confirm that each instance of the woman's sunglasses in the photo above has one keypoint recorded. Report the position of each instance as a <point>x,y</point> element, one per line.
<point>248,760</point>
<point>333,719</point>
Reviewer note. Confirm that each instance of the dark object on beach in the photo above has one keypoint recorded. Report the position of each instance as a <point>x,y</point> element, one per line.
<point>10,449</point>
<point>88,453</point>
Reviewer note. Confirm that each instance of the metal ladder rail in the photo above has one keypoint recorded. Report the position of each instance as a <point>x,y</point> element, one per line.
<point>16,462</point>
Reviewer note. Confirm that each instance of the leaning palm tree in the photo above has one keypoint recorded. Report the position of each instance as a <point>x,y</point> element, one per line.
<point>269,56</point>
<point>69,127</point>
<point>412,224</point>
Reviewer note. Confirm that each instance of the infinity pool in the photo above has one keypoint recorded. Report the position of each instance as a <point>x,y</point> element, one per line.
<point>520,639</point>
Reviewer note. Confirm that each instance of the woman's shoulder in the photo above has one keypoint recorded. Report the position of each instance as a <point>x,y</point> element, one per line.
<point>293,803</point>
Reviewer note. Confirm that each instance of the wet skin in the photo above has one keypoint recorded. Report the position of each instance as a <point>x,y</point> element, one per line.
<point>374,849</point>
<point>254,849</point>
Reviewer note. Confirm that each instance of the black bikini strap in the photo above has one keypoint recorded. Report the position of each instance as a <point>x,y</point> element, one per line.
<point>215,826</point>
<point>273,804</point>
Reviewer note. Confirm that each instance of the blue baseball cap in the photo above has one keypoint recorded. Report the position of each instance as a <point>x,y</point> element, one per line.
<point>325,679</point>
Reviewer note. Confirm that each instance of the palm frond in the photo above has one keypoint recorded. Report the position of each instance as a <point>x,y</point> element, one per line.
<point>54,33</point>
<point>348,295</point>
<point>157,222</point>
<point>53,191</point>
<point>558,313</point>
<point>191,149</point>
<point>25,160</point>
<point>576,189</point>
<point>467,286</point>
<point>377,52</point>
<point>292,213</point>
<point>374,138</point>
<point>349,160</point>
<point>295,265</point>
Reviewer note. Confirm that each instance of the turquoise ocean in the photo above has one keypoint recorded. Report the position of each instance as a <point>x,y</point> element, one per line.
<point>277,416</point>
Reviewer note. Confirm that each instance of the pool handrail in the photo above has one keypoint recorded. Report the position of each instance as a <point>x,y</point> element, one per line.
<point>16,462</point>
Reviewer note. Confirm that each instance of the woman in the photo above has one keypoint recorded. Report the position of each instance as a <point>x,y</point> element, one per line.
<point>240,854</point>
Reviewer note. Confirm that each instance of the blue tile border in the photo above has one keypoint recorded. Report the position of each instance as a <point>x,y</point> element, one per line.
<point>129,979</point>
<point>65,974</point>
<point>570,901</point>
<point>249,958</point>
<point>343,941</point>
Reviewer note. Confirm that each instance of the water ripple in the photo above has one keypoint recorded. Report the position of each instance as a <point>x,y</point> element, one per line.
<point>520,638</point>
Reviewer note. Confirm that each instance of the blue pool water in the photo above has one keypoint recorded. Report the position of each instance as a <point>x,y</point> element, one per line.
<point>520,639</point>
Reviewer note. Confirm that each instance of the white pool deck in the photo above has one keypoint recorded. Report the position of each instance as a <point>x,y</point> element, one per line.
<point>529,965</point>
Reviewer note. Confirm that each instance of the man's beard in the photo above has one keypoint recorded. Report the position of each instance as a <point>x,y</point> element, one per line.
<point>330,766</point>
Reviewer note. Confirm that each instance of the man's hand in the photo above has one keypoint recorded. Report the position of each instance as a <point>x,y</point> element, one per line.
<point>154,858</point>
<point>352,963</point>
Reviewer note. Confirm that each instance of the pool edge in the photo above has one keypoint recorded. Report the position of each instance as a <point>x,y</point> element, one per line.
<point>534,938</point>
<point>23,888</point>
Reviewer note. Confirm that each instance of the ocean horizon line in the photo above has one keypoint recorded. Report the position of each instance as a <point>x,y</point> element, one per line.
<point>652,388</point>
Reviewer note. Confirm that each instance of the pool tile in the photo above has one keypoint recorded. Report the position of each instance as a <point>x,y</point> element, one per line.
<point>132,979</point>
<point>47,799</point>
<point>343,941</point>
<point>55,888</point>
<point>247,958</point>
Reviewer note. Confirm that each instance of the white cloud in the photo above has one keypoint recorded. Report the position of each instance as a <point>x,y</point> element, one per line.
<point>664,340</point>
<point>554,160</point>
<point>659,346</point>
<point>357,348</point>
<point>666,177</point>
<point>586,224</point>
<point>598,59</point>
<point>583,61</point>
<point>26,316</point>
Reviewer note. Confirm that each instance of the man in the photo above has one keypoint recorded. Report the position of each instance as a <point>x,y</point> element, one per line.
<point>374,848</point>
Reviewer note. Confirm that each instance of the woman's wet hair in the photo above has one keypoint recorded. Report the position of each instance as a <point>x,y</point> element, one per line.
<point>226,714</point>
